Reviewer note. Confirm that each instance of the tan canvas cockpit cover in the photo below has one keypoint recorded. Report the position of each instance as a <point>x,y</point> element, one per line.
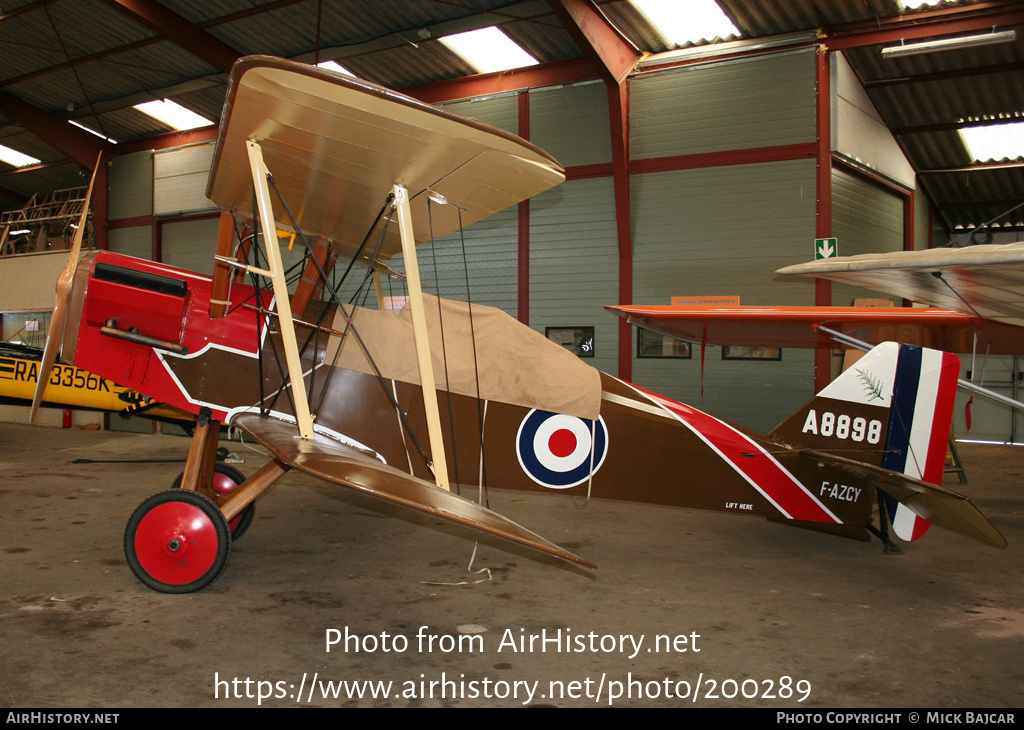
<point>516,364</point>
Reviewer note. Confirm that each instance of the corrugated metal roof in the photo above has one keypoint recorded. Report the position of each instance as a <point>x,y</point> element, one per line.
<point>101,60</point>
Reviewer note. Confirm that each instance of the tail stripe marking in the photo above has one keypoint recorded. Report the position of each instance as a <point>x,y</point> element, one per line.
<point>898,444</point>
<point>916,441</point>
<point>783,490</point>
<point>916,444</point>
<point>935,463</point>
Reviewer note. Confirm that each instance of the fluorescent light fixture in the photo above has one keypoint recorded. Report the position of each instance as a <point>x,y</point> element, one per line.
<point>687,22</point>
<point>13,157</point>
<point>335,66</point>
<point>489,50</point>
<point>92,131</point>
<point>950,44</point>
<point>172,114</point>
<point>997,443</point>
<point>995,141</point>
<point>20,232</point>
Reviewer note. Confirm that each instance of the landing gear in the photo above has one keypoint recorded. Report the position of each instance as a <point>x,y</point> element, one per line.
<point>226,479</point>
<point>177,541</point>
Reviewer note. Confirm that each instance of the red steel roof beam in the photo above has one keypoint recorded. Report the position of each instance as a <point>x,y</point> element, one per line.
<point>613,55</point>
<point>180,31</point>
<point>69,140</point>
<point>530,77</point>
<point>841,41</point>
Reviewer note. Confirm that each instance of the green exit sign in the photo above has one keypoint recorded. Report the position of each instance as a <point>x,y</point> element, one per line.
<point>826,248</point>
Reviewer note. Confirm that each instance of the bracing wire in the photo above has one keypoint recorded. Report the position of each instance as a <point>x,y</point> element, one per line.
<point>444,348</point>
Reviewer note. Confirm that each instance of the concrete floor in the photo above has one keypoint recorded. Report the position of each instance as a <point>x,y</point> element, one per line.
<point>940,626</point>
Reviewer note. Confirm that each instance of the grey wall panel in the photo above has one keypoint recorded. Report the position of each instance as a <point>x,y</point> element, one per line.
<point>131,186</point>
<point>190,244</point>
<point>491,245</point>
<point>491,255</point>
<point>922,232</point>
<point>571,123</point>
<point>28,281</point>
<point>724,231</point>
<point>733,105</point>
<point>501,111</point>
<point>179,180</point>
<point>574,263</point>
<point>136,241</point>
<point>858,130</point>
<point>866,218</point>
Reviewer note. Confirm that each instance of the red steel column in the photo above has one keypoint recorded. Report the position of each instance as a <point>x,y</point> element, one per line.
<point>823,213</point>
<point>523,286</point>
<point>618,112</point>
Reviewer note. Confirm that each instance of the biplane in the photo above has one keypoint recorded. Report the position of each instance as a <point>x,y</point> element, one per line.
<point>411,406</point>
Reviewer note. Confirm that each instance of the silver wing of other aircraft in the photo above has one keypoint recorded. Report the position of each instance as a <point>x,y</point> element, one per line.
<point>986,281</point>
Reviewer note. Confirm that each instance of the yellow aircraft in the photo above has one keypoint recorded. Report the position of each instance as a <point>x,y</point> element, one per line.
<point>72,387</point>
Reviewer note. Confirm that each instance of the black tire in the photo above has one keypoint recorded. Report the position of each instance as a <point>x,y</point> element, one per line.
<point>177,541</point>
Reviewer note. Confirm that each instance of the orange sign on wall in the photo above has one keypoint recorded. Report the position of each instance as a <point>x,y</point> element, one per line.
<point>726,300</point>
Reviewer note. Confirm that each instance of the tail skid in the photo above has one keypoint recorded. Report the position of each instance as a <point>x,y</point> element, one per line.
<point>885,423</point>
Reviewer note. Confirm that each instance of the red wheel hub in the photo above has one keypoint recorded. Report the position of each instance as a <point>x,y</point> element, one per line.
<point>176,543</point>
<point>223,484</point>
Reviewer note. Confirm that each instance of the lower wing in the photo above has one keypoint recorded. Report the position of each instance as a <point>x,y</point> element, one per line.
<point>350,466</point>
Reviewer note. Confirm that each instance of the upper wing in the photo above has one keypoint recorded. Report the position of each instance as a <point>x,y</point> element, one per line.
<point>336,145</point>
<point>986,279</point>
<point>939,329</point>
<point>350,467</point>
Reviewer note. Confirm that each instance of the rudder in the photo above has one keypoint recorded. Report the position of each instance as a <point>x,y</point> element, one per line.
<point>892,409</point>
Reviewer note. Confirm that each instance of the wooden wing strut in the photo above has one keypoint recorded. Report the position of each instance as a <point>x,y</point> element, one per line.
<point>419,329</point>
<point>277,278</point>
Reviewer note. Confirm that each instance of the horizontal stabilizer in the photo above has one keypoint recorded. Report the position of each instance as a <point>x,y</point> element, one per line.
<point>943,507</point>
<point>350,467</point>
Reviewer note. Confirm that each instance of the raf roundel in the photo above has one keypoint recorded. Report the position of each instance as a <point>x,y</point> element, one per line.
<point>559,451</point>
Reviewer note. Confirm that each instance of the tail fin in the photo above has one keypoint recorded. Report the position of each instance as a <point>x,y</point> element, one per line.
<point>893,410</point>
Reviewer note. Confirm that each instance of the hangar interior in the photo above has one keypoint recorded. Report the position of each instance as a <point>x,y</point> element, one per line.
<point>694,168</point>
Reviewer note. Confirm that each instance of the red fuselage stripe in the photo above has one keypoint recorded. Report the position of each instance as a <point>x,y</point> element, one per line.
<point>751,462</point>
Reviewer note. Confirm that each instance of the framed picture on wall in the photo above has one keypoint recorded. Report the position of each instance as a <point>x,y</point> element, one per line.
<point>751,352</point>
<point>577,340</point>
<point>655,344</point>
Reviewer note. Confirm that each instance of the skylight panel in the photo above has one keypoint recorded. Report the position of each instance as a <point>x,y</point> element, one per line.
<point>687,22</point>
<point>173,114</point>
<point>18,159</point>
<point>335,66</point>
<point>917,4</point>
<point>994,141</point>
<point>489,50</point>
